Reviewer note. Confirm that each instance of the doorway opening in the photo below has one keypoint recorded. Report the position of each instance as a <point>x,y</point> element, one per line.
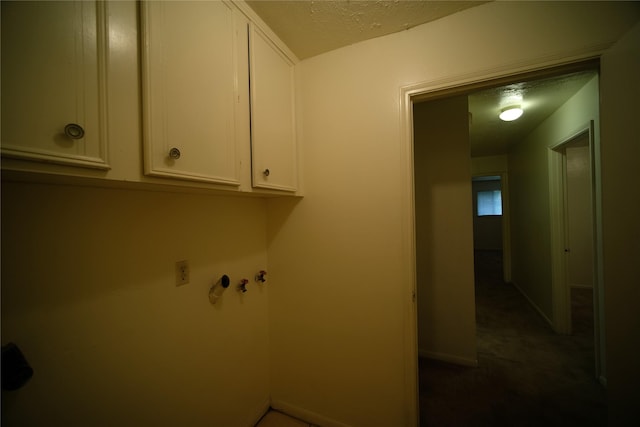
<point>575,249</point>
<point>490,230</point>
<point>528,227</point>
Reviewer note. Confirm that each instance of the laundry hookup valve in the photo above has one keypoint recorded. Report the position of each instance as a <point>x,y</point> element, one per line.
<point>260,277</point>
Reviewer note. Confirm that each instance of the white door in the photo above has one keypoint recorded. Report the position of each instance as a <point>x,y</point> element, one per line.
<point>575,250</point>
<point>273,141</point>
<point>579,212</point>
<point>190,100</point>
<point>53,75</point>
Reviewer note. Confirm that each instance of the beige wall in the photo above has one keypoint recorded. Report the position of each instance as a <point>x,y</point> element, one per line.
<point>621,230</point>
<point>529,194</point>
<point>444,231</point>
<point>340,310</point>
<point>489,165</point>
<point>89,295</point>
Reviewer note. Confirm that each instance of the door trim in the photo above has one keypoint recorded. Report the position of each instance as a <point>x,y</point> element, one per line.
<point>432,90</point>
<point>559,239</point>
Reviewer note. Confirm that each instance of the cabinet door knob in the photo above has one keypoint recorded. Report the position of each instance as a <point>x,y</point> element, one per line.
<point>74,131</point>
<point>266,172</point>
<point>174,153</point>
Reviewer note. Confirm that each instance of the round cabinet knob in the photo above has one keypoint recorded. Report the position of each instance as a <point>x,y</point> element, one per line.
<point>74,131</point>
<point>174,153</point>
<point>266,172</point>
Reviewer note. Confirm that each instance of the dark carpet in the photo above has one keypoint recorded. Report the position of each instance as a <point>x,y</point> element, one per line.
<point>527,375</point>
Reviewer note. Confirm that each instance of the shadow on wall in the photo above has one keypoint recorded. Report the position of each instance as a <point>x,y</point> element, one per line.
<point>278,211</point>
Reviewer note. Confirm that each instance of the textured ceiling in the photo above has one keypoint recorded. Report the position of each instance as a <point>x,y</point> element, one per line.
<point>310,28</point>
<point>489,135</point>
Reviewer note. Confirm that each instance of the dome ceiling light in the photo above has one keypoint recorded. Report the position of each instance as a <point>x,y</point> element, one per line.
<point>511,113</point>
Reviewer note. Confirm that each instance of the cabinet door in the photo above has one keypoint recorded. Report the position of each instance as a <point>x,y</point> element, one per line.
<point>273,143</point>
<point>189,90</point>
<point>53,74</point>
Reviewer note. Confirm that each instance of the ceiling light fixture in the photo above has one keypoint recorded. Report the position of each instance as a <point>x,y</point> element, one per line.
<point>511,113</point>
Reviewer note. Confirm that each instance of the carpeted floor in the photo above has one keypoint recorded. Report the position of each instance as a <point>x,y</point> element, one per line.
<point>527,374</point>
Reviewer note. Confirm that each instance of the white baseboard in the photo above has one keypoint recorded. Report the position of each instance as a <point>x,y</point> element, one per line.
<point>305,415</point>
<point>258,413</point>
<point>534,305</point>
<point>449,358</point>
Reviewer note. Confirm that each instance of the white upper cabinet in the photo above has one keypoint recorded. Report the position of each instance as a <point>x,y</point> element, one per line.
<point>191,94</point>
<point>191,100</point>
<point>273,141</point>
<point>54,79</point>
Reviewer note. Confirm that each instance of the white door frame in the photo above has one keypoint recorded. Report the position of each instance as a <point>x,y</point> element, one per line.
<point>559,239</point>
<point>408,95</point>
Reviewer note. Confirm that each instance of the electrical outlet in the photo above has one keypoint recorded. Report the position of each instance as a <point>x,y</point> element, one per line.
<point>182,273</point>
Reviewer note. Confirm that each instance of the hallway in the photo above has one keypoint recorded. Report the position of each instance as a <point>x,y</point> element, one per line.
<point>527,375</point>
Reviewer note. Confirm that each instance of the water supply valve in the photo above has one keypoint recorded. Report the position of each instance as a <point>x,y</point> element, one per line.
<point>242,287</point>
<point>260,277</point>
